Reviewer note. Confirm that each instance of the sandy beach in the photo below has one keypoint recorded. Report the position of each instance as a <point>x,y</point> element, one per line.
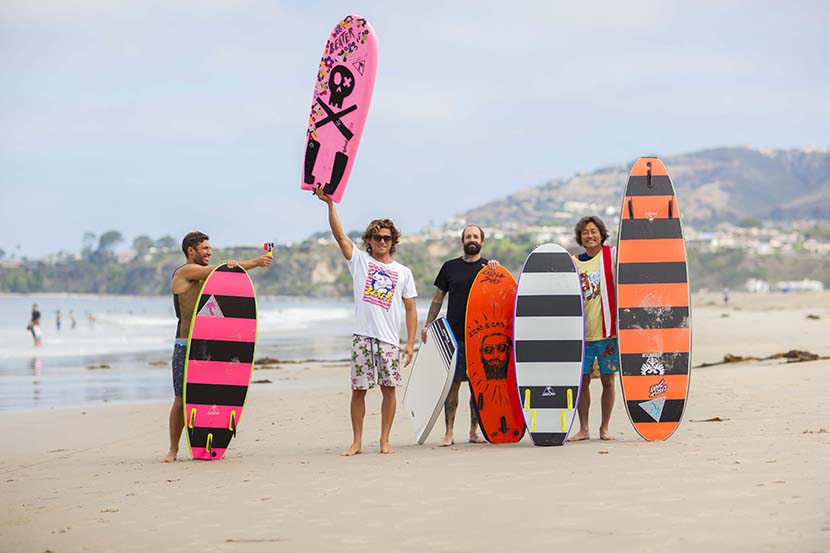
<point>755,479</point>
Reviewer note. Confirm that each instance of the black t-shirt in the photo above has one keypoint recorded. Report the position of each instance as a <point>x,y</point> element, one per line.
<point>456,277</point>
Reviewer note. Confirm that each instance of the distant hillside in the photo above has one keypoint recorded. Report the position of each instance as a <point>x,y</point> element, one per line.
<point>723,184</point>
<point>728,184</point>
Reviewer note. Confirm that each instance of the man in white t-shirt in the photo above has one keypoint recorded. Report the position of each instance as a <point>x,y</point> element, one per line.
<point>384,295</point>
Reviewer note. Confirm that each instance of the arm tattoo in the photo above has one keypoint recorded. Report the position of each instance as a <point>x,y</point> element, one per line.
<point>434,309</point>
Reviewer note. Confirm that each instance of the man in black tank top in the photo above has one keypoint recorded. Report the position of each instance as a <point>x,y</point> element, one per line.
<point>456,278</point>
<point>187,282</point>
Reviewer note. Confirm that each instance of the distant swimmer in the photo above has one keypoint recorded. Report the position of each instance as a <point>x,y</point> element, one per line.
<point>58,320</point>
<point>384,296</point>
<point>596,268</point>
<point>34,325</point>
<point>456,278</point>
<point>187,283</point>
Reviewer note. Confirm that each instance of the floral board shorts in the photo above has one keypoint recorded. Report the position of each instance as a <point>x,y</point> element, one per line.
<point>605,352</point>
<point>374,362</point>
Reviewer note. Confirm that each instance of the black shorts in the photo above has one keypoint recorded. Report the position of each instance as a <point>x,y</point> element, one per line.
<point>179,355</point>
<point>461,364</point>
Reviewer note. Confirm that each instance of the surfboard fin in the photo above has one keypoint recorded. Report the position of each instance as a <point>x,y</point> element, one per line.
<point>671,209</point>
<point>503,426</point>
<point>648,174</point>
<point>192,418</point>
<point>337,170</point>
<point>312,148</point>
<point>209,444</point>
<point>630,208</point>
<point>232,423</point>
<point>480,403</point>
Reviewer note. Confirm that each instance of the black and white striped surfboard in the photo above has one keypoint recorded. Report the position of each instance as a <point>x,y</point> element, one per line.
<point>548,341</point>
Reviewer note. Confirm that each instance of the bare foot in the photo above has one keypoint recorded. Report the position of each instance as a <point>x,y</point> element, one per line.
<point>447,441</point>
<point>604,435</point>
<point>354,450</point>
<point>580,436</point>
<point>386,449</point>
<point>476,439</point>
<point>170,457</point>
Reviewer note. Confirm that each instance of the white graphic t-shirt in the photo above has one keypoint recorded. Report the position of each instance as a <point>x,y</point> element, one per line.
<point>379,290</point>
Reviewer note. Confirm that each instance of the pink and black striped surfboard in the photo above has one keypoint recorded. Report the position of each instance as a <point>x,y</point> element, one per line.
<point>220,360</point>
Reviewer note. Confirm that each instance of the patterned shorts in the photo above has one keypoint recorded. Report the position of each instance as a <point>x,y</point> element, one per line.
<point>179,353</point>
<point>606,354</point>
<point>374,362</point>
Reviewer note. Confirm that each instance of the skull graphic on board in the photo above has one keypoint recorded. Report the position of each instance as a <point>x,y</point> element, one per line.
<point>341,84</point>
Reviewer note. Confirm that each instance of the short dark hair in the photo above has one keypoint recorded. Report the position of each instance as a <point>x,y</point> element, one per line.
<point>481,230</point>
<point>193,239</point>
<point>372,229</point>
<point>603,232</point>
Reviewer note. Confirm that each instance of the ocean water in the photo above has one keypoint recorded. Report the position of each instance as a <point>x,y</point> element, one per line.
<point>133,337</point>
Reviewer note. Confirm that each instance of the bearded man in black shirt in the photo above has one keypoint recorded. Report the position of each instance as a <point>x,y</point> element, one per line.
<point>456,278</point>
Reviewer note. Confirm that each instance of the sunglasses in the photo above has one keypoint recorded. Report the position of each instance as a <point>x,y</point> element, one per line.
<point>382,238</point>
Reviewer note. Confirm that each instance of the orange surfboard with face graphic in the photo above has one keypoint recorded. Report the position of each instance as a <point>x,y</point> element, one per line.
<point>490,360</point>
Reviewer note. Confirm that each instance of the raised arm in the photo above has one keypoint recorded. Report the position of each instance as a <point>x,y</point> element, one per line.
<point>434,308</point>
<point>248,264</point>
<point>190,272</point>
<point>342,239</point>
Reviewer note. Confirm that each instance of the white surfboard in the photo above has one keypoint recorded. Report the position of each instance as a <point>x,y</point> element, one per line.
<point>548,343</point>
<point>431,378</point>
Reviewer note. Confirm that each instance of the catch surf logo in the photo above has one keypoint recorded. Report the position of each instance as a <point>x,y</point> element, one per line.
<point>211,309</point>
<point>380,286</point>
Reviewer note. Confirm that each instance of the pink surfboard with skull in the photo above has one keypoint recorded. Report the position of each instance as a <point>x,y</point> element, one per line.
<point>342,93</point>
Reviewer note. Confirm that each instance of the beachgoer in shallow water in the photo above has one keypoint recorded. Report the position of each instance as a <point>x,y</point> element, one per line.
<point>596,268</point>
<point>456,278</point>
<point>384,294</point>
<point>34,325</point>
<point>187,283</point>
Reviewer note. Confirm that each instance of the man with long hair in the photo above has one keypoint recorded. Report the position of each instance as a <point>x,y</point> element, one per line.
<point>384,295</point>
<point>596,268</point>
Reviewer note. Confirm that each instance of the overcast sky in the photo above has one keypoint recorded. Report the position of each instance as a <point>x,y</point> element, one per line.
<point>159,117</point>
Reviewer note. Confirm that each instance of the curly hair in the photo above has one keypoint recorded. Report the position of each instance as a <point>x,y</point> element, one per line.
<point>372,229</point>
<point>603,232</point>
<point>193,239</point>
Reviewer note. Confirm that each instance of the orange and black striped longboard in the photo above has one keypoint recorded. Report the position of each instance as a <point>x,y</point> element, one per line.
<point>491,366</point>
<point>653,317</point>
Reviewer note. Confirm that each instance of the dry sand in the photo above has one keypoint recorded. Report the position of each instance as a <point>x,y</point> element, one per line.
<point>88,479</point>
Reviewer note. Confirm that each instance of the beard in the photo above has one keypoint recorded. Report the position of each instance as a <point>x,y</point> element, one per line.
<point>471,248</point>
<point>495,369</point>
